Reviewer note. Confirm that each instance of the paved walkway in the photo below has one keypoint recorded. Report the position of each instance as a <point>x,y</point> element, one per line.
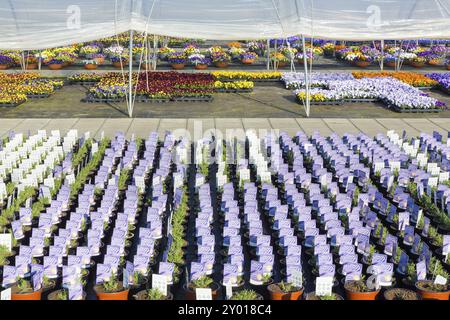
<point>196,127</point>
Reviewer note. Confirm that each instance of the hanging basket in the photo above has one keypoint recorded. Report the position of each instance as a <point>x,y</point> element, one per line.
<point>4,66</point>
<point>433,62</point>
<point>417,64</point>
<point>281,64</point>
<point>177,66</point>
<point>99,60</point>
<point>118,65</point>
<point>55,66</point>
<point>248,61</point>
<point>31,66</point>
<point>90,66</point>
<point>390,64</point>
<point>362,64</point>
<point>201,66</point>
<point>221,64</point>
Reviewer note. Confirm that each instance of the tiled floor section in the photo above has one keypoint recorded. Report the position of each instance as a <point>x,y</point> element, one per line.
<point>141,127</point>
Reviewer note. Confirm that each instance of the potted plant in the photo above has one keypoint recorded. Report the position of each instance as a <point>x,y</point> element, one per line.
<point>430,291</point>
<point>447,63</point>
<point>90,64</point>
<point>248,57</point>
<point>220,59</point>
<point>333,296</point>
<point>54,64</point>
<point>62,294</point>
<point>5,61</point>
<point>417,62</point>
<point>400,294</point>
<point>177,60</point>
<point>202,282</point>
<point>245,295</point>
<point>199,61</point>
<point>99,58</point>
<point>23,290</point>
<point>279,59</point>
<point>284,291</point>
<point>358,290</point>
<point>152,294</point>
<point>328,49</point>
<point>31,62</point>
<point>119,61</point>
<point>111,290</point>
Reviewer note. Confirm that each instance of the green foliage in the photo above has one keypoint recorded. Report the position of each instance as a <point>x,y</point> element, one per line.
<point>63,295</point>
<point>112,285</point>
<point>437,269</point>
<point>355,197</point>
<point>125,174</point>
<point>155,294</point>
<point>24,286</point>
<point>202,282</point>
<point>245,295</point>
<point>333,296</point>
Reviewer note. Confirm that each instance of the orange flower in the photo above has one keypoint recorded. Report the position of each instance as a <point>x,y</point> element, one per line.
<point>411,78</point>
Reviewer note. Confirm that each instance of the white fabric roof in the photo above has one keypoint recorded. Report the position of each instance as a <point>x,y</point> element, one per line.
<point>31,24</point>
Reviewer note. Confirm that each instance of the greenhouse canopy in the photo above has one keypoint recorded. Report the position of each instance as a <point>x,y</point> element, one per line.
<point>31,24</point>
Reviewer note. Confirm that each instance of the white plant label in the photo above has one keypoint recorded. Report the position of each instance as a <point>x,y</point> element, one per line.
<point>159,282</point>
<point>229,291</point>
<point>324,286</point>
<point>440,280</point>
<point>5,294</point>
<point>297,279</point>
<point>203,294</point>
<point>6,240</point>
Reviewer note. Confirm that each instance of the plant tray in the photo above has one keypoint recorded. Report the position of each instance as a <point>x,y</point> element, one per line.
<point>266,80</point>
<point>361,100</point>
<point>445,90</point>
<point>324,103</point>
<point>38,96</point>
<point>145,99</point>
<point>233,90</point>
<point>424,88</point>
<point>10,105</point>
<point>84,83</point>
<point>408,110</point>
<point>92,99</point>
<point>193,99</point>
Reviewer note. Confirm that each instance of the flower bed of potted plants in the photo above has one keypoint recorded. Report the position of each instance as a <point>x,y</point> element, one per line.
<point>235,86</point>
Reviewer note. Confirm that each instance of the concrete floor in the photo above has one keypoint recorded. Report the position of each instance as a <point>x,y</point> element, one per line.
<point>266,101</point>
<point>141,127</point>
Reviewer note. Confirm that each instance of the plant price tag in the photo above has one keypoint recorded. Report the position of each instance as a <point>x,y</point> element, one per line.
<point>297,279</point>
<point>440,280</point>
<point>324,286</point>
<point>203,294</point>
<point>229,291</point>
<point>6,240</point>
<point>5,294</point>
<point>159,282</point>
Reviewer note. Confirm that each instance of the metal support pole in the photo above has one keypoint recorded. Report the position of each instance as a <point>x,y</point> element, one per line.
<point>130,76</point>
<point>268,54</point>
<point>305,64</point>
<point>155,51</point>
<point>382,55</point>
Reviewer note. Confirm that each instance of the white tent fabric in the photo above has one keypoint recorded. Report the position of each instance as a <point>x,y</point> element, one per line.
<point>31,24</point>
